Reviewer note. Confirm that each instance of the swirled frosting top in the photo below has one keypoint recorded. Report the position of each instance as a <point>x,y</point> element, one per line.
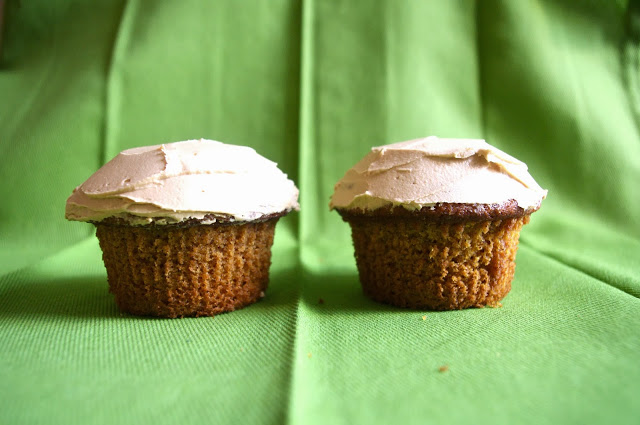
<point>195,179</point>
<point>424,172</point>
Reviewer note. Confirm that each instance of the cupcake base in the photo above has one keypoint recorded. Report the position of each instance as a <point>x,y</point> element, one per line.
<point>409,261</point>
<point>197,270</point>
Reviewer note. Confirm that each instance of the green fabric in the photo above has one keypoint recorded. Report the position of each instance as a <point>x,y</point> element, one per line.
<point>312,85</point>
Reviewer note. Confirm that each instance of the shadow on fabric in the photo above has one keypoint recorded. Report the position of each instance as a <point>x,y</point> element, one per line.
<point>89,297</point>
<point>330,293</point>
<point>81,297</point>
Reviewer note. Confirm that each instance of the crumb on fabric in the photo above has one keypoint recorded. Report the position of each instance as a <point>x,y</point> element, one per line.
<point>309,355</point>
<point>443,368</point>
<point>424,317</point>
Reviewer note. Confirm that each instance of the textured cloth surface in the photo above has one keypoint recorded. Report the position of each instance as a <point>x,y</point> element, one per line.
<point>312,85</point>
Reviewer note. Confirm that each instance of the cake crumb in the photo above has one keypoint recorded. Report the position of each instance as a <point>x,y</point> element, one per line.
<point>443,368</point>
<point>320,301</point>
<point>424,317</point>
<point>309,354</point>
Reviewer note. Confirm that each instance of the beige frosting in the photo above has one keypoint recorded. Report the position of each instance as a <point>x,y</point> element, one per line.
<point>432,170</point>
<point>181,181</point>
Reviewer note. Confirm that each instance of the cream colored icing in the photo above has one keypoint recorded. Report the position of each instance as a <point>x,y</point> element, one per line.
<point>181,181</point>
<point>423,172</point>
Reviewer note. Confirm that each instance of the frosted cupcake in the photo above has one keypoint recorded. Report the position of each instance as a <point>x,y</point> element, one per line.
<point>436,222</point>
<point>185,228</point>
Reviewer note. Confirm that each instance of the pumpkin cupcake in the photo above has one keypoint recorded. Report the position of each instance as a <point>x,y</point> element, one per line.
<point>185,228</point>
<point>435,222</point>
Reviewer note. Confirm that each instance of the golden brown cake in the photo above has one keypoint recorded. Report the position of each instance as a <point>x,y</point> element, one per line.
<point>435,222</point>
<point>185,228</point>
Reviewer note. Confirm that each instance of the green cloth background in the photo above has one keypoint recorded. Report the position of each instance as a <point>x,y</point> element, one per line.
<point>312,85</point>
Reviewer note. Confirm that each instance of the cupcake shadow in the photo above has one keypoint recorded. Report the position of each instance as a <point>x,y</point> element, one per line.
<point>89,297</point>
<point>330,293</point>
<point>81,297</point>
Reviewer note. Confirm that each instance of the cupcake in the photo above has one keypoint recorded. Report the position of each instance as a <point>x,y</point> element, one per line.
<point>185,228</point>
<point>435,222</point>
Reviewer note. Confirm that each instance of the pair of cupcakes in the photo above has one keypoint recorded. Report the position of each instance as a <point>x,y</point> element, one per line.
<point>186,228</point>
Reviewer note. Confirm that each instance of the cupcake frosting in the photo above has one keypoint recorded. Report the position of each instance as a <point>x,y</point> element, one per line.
<point>195,179</point>
<point>425,172</point>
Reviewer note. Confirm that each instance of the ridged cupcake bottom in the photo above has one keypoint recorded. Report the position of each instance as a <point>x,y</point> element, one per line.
<point>420,264</point>
<point>201,270</point>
